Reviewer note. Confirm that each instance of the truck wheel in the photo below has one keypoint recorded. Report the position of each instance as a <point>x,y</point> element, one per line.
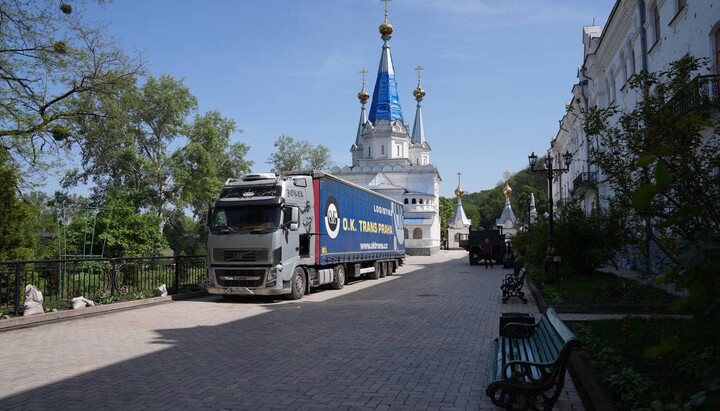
<point>298,284</point>
<point>383,270</point>
<point>339,282</point>
<point>375,274</point>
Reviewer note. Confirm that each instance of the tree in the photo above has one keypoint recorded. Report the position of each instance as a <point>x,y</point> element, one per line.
<point>201,167</point>
<point>50,57</point>
<point>128,152</point>
<point>17,238</point>
<point>661,159</point>
<point>294,155</point>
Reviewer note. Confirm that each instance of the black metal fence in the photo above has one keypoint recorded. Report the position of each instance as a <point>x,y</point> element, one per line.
<point>702,91</point>
<point>102,280</point>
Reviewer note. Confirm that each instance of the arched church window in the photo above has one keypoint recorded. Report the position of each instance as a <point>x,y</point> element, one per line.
<point>405,201</point>
<point>421,201</point>
<point>417,233</point>
<point>405,232</point>
<point>382,149</point>
<point>414,201</point>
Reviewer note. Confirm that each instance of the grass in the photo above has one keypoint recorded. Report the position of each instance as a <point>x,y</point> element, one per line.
<point>606,289</point>
<point>651,363</point>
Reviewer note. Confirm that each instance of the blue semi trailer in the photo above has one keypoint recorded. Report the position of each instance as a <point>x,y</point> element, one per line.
<point>282,234</point>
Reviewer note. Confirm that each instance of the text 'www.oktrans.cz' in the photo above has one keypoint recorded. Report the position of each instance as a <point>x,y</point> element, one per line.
<point>373,246</point>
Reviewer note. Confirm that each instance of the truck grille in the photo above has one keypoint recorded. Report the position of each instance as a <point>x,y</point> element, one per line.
<point>239,278</point>
<point>230,255</point>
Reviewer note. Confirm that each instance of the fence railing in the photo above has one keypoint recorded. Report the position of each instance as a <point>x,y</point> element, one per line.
<point>99,279</point>
<point>700,92</point>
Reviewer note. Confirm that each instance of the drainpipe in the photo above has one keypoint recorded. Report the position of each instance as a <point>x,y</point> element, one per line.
<point>643,34</point>
<point>586,105</point>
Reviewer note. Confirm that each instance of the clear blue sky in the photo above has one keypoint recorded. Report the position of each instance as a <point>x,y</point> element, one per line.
<point>497,72</point>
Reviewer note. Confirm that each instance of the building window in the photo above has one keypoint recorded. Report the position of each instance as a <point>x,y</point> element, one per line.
<point>369,151</point>
<point>457,237</point>
<point>623,67</point>
<point>382,149</point>
<point>414,201</point>
<point>681,5</point>
<point>417,233</point>
<point>655,23</point>
<point>406,201</point>
<point>405,233</point>
<point>398,151</point>
<point>632,60</point>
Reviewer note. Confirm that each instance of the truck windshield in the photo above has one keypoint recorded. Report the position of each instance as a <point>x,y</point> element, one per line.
<point>245,218</point>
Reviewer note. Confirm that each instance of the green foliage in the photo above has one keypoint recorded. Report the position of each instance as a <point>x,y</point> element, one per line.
<point>615,349</point>
<point>51,58</point>
<point>447,211</point>
<point>17,237</point>
<point>661,159</point>
<point>531,245</point>
<point>586,242</point>
<point>296,155</point>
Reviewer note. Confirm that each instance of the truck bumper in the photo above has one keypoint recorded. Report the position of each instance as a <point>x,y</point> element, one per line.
<point>246,291</point>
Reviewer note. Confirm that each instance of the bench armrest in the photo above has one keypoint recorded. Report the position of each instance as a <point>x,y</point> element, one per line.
<point>526,371</point>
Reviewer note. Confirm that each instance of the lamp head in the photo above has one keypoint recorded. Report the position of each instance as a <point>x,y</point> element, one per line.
<point>532,159</point>
<point>567,157</point>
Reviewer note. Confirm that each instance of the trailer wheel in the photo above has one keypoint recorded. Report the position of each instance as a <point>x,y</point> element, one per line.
<point>298,284</point>
<point>375,274</point>
<point>391,267</point>
<point>383,269</point>
<point>339,282</point>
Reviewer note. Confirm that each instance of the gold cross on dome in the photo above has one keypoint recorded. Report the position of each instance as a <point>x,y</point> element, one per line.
<point>386,5</point>
<point>418,68</point>
<point>363,72</point>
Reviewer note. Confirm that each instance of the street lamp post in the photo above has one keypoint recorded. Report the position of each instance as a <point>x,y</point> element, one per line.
<point>551,260</point>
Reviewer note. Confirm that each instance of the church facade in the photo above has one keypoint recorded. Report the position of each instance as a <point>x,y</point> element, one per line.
<point>391,158</point>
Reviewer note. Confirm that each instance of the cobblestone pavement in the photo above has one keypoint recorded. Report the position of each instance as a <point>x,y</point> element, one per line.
<point>416,340</point>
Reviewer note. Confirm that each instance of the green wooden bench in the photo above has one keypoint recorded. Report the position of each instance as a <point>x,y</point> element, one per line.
<point>527,365</point>
<point>512,285</point>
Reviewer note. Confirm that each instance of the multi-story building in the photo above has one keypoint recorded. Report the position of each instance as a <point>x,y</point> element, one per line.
<point>639,35</point>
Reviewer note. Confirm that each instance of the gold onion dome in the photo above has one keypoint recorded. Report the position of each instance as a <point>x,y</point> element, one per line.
<point>459,192</point>
<point>507,190</point>
<point>385,28</point>
<point>363,96</point>
<point>419,93</point>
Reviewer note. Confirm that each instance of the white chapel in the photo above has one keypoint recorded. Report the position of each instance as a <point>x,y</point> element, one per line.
<point>390,158</point>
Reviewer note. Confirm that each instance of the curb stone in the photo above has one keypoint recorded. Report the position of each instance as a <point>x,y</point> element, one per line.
<point>61,315</point>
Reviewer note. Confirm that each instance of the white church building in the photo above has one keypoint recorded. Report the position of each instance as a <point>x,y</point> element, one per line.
<point>391,158</point>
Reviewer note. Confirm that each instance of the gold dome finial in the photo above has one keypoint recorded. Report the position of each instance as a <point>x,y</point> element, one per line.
<point>459,191</point>
<point>507,190</point>
<point>419,93</point>
<point>385,28</point>
<point>363,95</point>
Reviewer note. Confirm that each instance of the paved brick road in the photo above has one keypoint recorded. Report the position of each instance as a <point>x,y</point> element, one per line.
<point>416,340</point>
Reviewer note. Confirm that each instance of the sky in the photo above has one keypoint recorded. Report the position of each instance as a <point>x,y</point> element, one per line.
<point>497,73</point>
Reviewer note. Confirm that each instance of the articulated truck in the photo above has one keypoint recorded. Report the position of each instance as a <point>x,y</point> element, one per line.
<point>283,234</point>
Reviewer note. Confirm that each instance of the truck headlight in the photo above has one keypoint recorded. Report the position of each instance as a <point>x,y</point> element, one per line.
<point>272,275</point>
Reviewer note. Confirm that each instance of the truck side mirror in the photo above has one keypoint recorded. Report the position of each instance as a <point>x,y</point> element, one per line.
<point>294,219</point>
<point>291,219</point>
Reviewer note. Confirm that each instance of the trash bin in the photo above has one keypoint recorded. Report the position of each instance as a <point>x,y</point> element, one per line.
<point>522,318</point>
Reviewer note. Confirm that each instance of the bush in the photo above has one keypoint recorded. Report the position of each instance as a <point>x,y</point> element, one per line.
<point>584,242</point>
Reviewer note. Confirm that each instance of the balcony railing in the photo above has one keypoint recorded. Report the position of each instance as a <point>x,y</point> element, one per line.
<point>584,180</point>
<point>701,91</point>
